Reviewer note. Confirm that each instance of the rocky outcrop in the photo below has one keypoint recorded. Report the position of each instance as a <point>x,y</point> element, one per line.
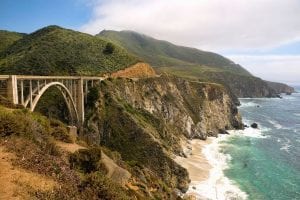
<point>246,86</point>
<point>145,120</point>
<point>280,87</point>
<point>241,86</point>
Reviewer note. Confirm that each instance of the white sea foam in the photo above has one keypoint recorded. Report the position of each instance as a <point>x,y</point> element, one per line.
<point>279,140</point>
<point>251,132</point>
<point>289,97</point>
<point>297,114</point>
<point>295,131</point>
<point>218,186</point>
<point>286,146</point>
<point>275,124</point>
<point>248,104</point>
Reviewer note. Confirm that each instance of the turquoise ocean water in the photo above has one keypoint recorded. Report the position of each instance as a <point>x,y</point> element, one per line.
<point>266,165</point>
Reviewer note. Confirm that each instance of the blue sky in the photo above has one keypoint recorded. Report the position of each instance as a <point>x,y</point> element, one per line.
<point>261,35</point>
<point>29,15</point>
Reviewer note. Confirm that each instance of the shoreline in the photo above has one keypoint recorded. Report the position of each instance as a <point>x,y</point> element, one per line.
<point>205,165</point>
<point>196,162</point>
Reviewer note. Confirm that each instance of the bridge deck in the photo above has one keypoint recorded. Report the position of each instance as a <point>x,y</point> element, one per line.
<point>29,77</point>
<point>4,77</point>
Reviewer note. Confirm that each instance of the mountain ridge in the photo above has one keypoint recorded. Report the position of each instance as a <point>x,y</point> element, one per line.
<point>53,50</point>
<point>200,65</point>
<point>7,38</point>
<point>152,47</point>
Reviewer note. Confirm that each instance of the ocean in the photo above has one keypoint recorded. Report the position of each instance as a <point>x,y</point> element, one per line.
<point>265,163</point>
<point>256,164</point>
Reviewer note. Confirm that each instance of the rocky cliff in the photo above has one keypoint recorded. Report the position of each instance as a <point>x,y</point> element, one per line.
<point>280,87</point>
<point>146,119</point>
<point>242,86</point>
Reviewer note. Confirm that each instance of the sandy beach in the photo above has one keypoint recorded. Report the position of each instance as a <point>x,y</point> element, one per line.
<point>196,162</point>
<point>205,165</point>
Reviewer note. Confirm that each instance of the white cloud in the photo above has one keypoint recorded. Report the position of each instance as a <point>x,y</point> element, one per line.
<point>207,24</point>
<point>216,25</point>
<point>281,68</point>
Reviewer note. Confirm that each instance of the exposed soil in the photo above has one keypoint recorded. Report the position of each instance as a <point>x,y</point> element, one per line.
<point>139,70</point>
<point>69,147</point>
<point>15,182</point>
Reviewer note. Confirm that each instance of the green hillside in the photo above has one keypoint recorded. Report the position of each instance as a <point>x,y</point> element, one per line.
<point>7,38</point>
<point>162,53</point>
<point>191,63</point>
<point>56,51</point>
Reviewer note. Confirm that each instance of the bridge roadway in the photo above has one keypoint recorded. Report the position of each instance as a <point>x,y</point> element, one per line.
<point>27,91</point>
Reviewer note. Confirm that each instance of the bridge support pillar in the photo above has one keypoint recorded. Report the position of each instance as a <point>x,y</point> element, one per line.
<point>12,89</point>
<point>80,101</point>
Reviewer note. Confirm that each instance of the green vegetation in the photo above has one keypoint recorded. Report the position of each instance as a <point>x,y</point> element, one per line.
<point>52,104</point>
<point>29,136</point>
<point>97,186</point>
<point>7,38</point>
<point>30,126</point>
<point>86,160</point>
<point>57,51</point>
<point>237,85</point>
<point>59,131</point>
<point>191,63</point>
<point>165,54</point>
<point>92,96</point>
<point>109,48</point>
<point>82,174</point>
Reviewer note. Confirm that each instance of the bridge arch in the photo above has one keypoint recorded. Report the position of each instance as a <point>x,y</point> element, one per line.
<point>64,92</point>
<point>27,91</point>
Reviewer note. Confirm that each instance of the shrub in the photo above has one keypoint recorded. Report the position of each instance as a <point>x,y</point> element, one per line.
<point>10,125</point>
<point>109,48</point>
<point>92,96</point>
<point>59,131</point>
<point>97,186</point>
<point>86,160</point>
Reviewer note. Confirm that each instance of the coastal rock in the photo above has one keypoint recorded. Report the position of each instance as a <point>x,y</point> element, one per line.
<point>145,120</point>
<point>223,131</point>
<point>280,87</point>
<point>254,125</point>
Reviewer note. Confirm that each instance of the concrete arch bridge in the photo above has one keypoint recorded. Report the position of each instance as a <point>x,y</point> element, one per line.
<point>27,91</point>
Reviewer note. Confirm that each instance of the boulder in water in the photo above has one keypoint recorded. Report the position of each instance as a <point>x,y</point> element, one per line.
<point>223,131</point>
<point>254,125</point>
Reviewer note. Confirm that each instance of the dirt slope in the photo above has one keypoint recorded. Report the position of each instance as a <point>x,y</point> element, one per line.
<point>14,181</point>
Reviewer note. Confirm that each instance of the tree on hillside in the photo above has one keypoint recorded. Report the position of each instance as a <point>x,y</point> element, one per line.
<point>109,48</point>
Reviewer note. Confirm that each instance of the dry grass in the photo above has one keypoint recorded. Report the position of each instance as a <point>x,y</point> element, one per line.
<point>14,181</point>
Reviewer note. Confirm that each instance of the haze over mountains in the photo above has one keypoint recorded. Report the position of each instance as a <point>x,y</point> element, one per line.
<point>55,50</point>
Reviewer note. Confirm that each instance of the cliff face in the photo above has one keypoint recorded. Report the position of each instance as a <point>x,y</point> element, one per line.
<point>280,87</point>
<point>242,86</point>
<point>145,120</point>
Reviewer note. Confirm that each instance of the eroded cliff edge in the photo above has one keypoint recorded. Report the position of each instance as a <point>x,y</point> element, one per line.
<point>145,120</point>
